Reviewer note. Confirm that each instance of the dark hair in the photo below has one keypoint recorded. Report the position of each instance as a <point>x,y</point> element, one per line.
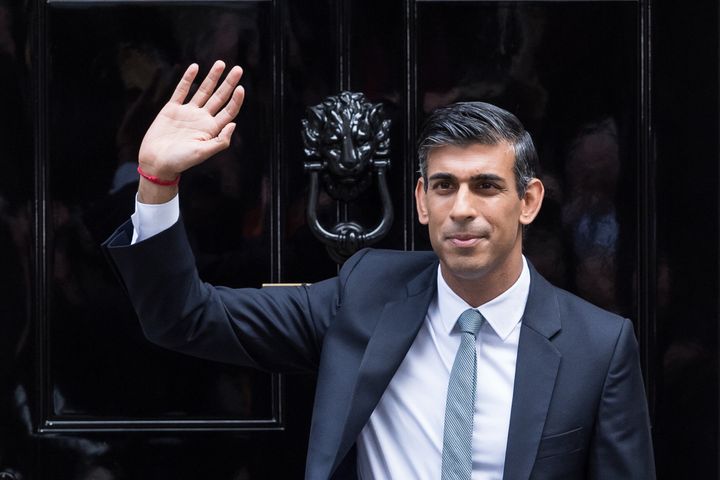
<point>466,123</point>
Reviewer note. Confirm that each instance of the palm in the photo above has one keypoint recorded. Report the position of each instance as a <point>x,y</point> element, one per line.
<point>177,131</point>
<point>185,134</point>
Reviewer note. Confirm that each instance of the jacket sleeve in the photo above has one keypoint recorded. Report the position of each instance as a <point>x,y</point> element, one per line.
<point>621,446</point>
<point>275,329</point>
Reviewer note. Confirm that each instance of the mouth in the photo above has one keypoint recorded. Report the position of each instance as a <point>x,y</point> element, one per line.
<point>464,240</point>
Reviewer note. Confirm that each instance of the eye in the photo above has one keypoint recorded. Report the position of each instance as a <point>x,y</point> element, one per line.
<point>487,188</point>
<point>442,185</point>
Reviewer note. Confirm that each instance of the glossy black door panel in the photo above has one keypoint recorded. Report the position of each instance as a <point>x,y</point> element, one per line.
<point>110,70</point>
<point>686,261</point>
<point>16,239</point>
<point>309,75</point>
<point>376,36</point>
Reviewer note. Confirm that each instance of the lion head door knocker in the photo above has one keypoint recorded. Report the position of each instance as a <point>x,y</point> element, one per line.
<point>348,142</point>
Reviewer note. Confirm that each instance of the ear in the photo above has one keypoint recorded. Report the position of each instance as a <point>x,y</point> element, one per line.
<point>532,201</point>
<point>420,201</point>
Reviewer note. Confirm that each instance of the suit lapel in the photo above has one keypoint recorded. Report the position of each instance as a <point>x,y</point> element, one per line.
<point>537,365</point>
<point>394,333</point>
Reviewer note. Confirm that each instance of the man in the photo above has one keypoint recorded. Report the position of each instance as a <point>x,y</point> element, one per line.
<point>460,363</point>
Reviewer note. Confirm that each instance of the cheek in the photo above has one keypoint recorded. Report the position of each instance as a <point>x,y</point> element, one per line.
<point>504,221</point>
<point>434,225</point>
<point>511,225</point>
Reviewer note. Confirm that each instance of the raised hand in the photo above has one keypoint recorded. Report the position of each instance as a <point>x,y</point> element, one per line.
<point>186,134</point>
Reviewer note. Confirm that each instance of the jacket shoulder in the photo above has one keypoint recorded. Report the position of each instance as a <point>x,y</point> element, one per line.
<point>589,325</point>
<point>575,304</point>
<point>378,262</point>
<point>572,322</point>
<point>383,274</point>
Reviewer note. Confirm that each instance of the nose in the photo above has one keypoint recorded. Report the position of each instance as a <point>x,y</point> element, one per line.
<point>463,207</point>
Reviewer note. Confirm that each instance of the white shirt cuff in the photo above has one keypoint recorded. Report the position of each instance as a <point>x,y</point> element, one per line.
<point>150,219</point>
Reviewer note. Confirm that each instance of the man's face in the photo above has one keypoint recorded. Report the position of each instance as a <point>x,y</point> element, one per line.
<point>473,212</point>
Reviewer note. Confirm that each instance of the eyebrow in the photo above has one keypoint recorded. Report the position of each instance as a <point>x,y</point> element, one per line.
<point>482,177</point>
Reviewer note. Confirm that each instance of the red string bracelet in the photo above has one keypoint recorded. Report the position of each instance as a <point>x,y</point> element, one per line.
<point>158,181</point>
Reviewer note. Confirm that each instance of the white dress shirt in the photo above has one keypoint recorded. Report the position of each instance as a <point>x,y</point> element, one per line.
<point>151,219</point>
<point>404,435</point>
<point>403,438</point>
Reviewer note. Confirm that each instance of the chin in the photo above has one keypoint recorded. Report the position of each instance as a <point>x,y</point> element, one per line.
<point>466,268</point>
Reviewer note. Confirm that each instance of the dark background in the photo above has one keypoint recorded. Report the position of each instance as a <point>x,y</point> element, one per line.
<point>621,98</point>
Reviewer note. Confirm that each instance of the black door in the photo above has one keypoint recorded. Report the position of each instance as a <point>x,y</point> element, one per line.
<point>621,98</point>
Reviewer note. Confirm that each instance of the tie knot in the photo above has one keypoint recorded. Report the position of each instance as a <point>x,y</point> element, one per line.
<point>470,321</point>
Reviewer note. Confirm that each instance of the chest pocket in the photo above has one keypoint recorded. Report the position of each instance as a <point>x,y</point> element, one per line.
<point>561,443</point>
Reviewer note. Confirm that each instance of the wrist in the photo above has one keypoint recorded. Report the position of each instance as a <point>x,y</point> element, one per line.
<point>163,180</point>
<point>151,193</point>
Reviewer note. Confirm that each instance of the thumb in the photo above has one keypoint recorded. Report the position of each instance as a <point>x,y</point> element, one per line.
<point>226,133</point>
<point>217,144</point>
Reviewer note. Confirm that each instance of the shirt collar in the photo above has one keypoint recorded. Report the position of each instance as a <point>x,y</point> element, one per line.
<point>503,312</point>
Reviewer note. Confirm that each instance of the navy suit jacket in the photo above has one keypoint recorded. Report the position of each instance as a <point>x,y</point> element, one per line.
<point>578,408</point>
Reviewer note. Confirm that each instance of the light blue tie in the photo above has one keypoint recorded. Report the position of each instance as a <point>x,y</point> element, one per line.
<point>457,438</point>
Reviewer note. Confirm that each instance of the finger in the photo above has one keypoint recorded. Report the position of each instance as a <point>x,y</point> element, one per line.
<point>221,95</point>
<point>232,108</point>
<point>217,144</point>
<point>225,135</point>
<point>183,87</point>
<point>207,87</point>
